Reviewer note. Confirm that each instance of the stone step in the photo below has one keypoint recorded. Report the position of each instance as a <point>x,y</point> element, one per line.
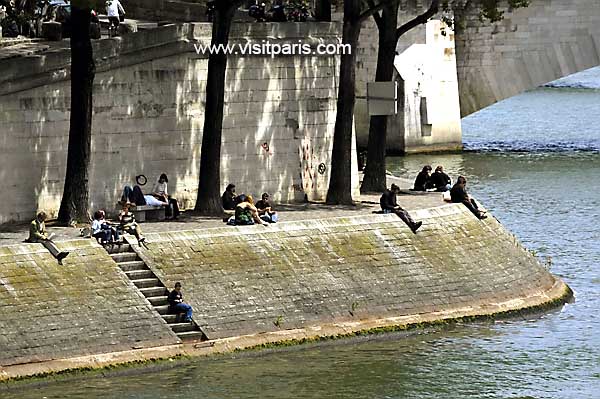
<point>182,327</point>
<point>133,265</point>
<point>148,283</point>
<point>154,292</point>
<point>158,300</point>
<point>190,335</point>
<point>117,249</point>
<point>124,257</point>
<point>140,274</point>
<point>162,309</point>
<point>170,318</point>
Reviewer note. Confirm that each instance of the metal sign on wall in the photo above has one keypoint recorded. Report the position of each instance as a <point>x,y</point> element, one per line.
<point>382,98</point>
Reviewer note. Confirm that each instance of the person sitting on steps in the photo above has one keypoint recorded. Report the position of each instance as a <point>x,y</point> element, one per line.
<point>389,204</point>
<point>38,234</point>
<point>129,225</point>
<point>160,191</point>
<point>176,304</point>
<point>102,231</point>
<point>459,195</point>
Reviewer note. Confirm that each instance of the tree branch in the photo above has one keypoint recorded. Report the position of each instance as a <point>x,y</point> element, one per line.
<point>419,20</point>
<point>372,10</point>
<point>376,16</point>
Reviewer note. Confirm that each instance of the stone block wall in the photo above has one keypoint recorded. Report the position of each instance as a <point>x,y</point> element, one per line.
<point>169,10</point>
<point>87,306</point>
<point>247,280</point>
<point>532,46</point>
<point>149,98</point>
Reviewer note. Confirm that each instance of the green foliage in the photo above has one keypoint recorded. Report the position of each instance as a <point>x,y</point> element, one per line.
<point>489,10</point>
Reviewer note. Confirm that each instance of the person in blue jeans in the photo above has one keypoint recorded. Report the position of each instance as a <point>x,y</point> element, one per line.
<point>176,304</point>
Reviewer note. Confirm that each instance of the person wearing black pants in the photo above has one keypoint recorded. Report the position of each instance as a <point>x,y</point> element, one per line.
<point>389,204</point>
<point>160,191</point>
<point>459,195</point>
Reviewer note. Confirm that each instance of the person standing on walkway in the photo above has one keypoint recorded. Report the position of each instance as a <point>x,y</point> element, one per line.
<point>160,191</point>
<point>389,204</point>
<point>38,234</point>
<point>115,12</point>
<point>176,304</point>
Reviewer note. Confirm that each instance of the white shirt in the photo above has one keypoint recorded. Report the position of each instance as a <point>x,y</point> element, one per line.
<point>160,188</point>
<point>96,226</point>
<point>113,7</point>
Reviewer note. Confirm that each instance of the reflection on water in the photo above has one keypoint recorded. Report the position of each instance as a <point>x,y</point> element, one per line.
<point>548,198</point>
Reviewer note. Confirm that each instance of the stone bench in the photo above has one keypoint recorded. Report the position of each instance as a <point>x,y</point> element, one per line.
<point>148,212</point>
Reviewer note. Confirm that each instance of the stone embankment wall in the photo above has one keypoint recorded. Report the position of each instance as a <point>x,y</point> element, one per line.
<point>86,307</point>
<point>248,280</point>
<point>166,10</point>
<point>257,285</point>
<point>532,46</point>
<point>149,98</point>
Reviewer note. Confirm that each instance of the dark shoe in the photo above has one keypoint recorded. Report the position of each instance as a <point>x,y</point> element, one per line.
<point>482,216</point>
<point>61,256</point>
<point>416,226</point>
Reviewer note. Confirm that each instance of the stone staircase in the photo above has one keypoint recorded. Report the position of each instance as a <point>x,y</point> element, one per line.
<point>153,289</point>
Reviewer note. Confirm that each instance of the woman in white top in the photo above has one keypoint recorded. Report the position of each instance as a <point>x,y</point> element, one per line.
<point>160,191</point>
<point>114,10</point>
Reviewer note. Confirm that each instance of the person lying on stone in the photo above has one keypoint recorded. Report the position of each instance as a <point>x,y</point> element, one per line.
<point>265,210</point>
<point>133,196</point>
<point>160,191</point>
<point>389,204</point>
<point>229,198</point>
<point>176,304</point>
<point>440,180</point>
<point>38,234</point>
<point>246,213</point>
<point>129,225</point>
<point>423,180</point>
<point>459,195</point>
<point>101,229</point>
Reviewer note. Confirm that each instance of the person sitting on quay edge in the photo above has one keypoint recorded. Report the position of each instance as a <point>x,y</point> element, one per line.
<point>129,225</point>
<point>265,210</point>
<point>229,199</point>
<point>440,180</point>
<point>459,195</point>
<point>423,180</point>
<point>246,213</point>
<point>176,304</point>
<point>38,234</point>
<point>160,191</point>
<point>389,204</point>
<point>102,230</point>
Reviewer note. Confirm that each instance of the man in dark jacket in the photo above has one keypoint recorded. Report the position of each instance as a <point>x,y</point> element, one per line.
<point>176,304</point>
<point>440,180</point>
<point>229,198</point>
<point>459,195</point>
<point>423,180</point>
<point>389,204</point>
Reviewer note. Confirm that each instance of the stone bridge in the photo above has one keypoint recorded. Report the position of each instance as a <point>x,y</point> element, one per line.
<point>532,46</point>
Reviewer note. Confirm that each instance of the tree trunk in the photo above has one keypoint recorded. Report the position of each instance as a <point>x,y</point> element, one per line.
<point>375,171</point>
<point>208,201</point>
<point>75,199</point>
<point>340,183</point>
<point>323,10</point>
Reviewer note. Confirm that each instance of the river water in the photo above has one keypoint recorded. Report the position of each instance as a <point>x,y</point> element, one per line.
<point>534,160</point>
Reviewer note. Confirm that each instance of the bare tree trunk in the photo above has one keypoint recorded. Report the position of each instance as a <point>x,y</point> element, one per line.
<point>340,184</point>
<point>208,201</point>
<point>75,199</point>
<point>375,171</point>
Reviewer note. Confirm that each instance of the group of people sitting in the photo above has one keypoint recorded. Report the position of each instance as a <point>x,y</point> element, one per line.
<point>108,233</point>
<point>133,196</point>
<point>439,181</point>
<point>246,211</point>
